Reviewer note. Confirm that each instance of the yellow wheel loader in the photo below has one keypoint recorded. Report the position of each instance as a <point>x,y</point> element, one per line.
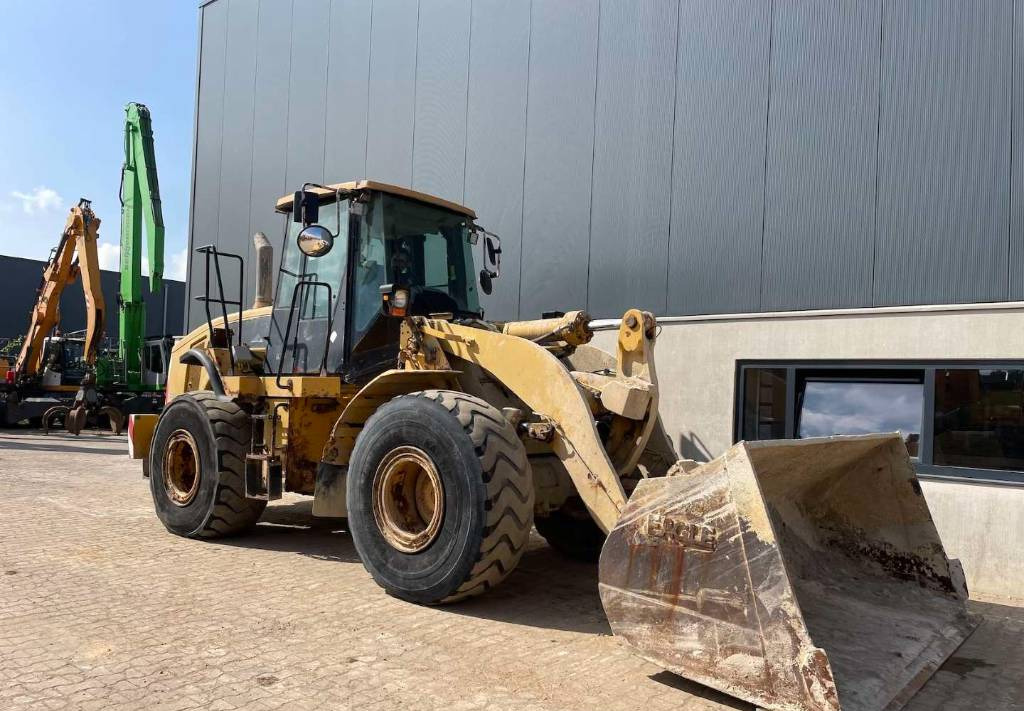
<point>798,575</point>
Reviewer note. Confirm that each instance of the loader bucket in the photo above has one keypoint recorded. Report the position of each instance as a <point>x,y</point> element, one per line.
<point>798,575</point>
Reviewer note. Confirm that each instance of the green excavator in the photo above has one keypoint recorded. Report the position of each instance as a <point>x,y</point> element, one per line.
<point>133,380</point>
<point>140,197</point>
<point>109,384</point>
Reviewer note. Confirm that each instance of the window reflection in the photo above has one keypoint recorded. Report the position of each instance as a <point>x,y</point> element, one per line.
<point>862,407</point>
<point>764,414</point>
<point>979,418</point>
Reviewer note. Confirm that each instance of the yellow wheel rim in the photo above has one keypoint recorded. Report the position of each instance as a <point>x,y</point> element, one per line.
<point>181,468</point>
<point>408,499</point>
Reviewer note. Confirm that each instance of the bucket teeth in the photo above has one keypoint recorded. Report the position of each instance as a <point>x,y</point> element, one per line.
<point>801,575</point>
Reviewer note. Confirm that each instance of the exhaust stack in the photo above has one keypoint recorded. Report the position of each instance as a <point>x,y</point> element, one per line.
<point>264,268</point>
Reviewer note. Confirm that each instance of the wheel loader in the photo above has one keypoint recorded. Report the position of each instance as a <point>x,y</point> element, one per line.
<point>800,575</point>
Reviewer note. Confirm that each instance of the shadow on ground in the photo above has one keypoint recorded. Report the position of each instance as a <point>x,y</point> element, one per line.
<point>292,528</point>
<point>550,592</point>
<point>116,447</point>
<point>546,590</point>
<point>700,691</point>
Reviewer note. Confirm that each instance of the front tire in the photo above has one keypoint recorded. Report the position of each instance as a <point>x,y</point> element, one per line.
<point>440,496</point>
<point>197,468</point>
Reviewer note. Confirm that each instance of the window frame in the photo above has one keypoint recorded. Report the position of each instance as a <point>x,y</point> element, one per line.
<point>924,465</point>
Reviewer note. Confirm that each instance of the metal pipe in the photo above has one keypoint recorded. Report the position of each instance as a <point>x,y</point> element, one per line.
<point>264,267</point>
<point>571,328</point>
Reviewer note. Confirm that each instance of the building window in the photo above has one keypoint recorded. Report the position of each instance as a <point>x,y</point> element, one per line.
<point>961,421</point>
<point>979,419</point>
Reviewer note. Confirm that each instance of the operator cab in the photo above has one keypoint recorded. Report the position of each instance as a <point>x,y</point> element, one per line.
<point>350,248</point>
<point>63,361</point>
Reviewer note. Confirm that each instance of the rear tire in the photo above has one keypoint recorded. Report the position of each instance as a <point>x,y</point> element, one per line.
<point>197,468</point>
<point>572,532</point>
<point>464,450</point>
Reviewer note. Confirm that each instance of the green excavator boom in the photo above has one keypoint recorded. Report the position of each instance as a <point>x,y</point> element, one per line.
<point>140,200</point>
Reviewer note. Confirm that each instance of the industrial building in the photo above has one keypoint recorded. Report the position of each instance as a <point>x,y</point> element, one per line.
<point>816,199</point>
<point>165,311</point>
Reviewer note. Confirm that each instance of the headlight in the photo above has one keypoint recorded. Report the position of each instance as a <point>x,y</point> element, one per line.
<point>400,300</point>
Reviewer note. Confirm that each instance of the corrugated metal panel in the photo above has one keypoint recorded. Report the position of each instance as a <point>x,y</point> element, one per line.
<point>209,134</point>
<point>442,67</point>
<point>348,68</point>
<point>392,96</point>
<point>632,156</point>
<point>270,124</point>
<point>1015,276</point>
<point>236,149</point>
<point>718,167</point>
<point>822,149</point>
<point>18,295</point>
<point>559,156</point>
<point>943,193</point>
<point>380,89</point>
<point>307,92</point>
<point>496,136</point>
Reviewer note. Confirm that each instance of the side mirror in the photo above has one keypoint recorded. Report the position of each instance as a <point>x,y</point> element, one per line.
<point>486,284</point>
<point>492,250</point>
<point>315,241</point>
<point>305,207</point>
<point>492,261</point>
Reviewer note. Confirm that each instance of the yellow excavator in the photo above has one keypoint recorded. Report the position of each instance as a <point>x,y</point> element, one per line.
<point>53,374</point>
<point>800,575</point>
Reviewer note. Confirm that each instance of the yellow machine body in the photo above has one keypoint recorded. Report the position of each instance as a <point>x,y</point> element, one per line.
<point>798,575</point>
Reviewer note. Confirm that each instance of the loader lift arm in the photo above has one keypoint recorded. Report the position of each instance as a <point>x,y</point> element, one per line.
<point>75,255</point>
<point>543,383</point>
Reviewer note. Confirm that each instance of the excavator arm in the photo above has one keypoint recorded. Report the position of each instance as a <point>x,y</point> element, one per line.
<point>140,199</point>
<point>79,237</point>
<point>92,286</point>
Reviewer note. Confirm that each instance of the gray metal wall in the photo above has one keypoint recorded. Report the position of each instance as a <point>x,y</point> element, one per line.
<point>21,280</point>
<point>685,156</point>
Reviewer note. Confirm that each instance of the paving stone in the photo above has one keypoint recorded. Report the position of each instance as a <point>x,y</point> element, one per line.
<point>106,609</point>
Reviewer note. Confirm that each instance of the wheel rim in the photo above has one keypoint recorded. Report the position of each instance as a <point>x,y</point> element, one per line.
<point>181,468</point>
<point>408,499</point>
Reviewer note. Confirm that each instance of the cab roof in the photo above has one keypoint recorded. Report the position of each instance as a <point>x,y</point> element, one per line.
<point>284,204</point>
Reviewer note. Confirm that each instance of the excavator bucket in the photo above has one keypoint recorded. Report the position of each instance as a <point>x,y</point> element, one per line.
<point>798,575</point>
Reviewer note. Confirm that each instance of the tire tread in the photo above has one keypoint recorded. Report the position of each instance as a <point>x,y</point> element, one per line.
<point>510,494</point>
<point>232,513</point>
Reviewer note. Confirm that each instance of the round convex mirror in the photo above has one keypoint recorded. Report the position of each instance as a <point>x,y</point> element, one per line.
<point>315,241</point>
<point>486,285</point>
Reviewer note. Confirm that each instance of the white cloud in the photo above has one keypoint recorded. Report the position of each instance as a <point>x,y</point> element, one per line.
<point>174,264</point>
<point>109,256</point>
<point>39,200</point>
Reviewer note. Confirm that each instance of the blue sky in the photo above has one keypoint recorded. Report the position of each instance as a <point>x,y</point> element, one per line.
<point>66,71</point>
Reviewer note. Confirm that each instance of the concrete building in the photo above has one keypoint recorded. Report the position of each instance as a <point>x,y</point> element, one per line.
<point>814,198</point>
<point>164,311</point>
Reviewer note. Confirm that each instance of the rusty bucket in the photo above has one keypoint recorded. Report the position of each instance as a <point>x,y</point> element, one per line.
<point>798,575</point>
